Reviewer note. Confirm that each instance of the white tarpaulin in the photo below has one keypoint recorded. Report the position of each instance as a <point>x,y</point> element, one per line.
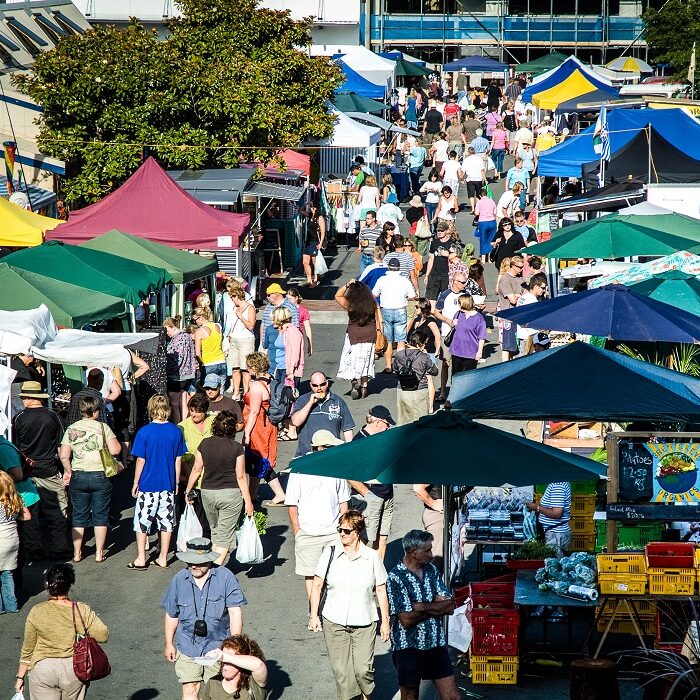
<point>85,348</point>
<point>7,375</point>
<point>20,330</point>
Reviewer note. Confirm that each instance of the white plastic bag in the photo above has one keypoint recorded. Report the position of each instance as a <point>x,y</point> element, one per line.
<point>190,528</point>
<point>320,265</point>
<point>459,629</point>
<point>250,549</point>
<point>18,696</point>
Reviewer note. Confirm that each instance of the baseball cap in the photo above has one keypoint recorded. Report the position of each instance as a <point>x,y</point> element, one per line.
<point>383,413</point>
<point>325,438</point>
<point>275,289</point>
<point>393,264</point>
<point>211,381</point>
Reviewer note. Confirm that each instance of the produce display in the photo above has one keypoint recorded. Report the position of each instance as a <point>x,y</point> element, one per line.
<point>578,569</point>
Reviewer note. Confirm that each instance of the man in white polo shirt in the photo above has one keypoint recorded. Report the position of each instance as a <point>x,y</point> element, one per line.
<point>315,504</point>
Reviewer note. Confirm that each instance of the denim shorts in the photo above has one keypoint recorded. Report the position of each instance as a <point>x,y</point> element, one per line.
<point>90,493</point>
<point>311,249</point>
<point>395,321</point>
<point>219,369</point>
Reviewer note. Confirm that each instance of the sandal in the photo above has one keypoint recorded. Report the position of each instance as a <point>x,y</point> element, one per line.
<point>285,437</point>
<point>387,370</point>
<point>102,559</point>
<point>137,567</point>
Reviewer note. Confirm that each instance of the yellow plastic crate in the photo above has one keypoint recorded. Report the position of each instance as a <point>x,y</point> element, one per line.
<point>621,563</point>
<point>671,581</point>
<point>697,558</point>
<point>623,584</point>
<point>494,670</point>
<point>583,505</point>
<point>584,525</point>
<point>623,625</point>
<point>582,542</point>
<point>646,610</point>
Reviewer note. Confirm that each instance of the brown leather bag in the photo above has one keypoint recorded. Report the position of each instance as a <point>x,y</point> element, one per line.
<point>90,663</point>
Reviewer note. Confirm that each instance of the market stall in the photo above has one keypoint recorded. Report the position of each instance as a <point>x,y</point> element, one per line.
<point>22,228</point>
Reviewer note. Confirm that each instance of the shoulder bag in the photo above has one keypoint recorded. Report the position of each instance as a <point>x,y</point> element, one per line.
<point>447,340</point>
<point>90,663</point>
<point>110,463</point>
<point>324,587</point>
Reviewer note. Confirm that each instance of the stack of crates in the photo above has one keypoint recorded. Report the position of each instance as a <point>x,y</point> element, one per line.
<point>583,529</point>
<point>646,612</point>
<point>495,624</point>
<point>671,568</point>
<point>630,536</point>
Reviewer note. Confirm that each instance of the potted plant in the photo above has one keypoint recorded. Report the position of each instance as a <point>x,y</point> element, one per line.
<point>530,555</point>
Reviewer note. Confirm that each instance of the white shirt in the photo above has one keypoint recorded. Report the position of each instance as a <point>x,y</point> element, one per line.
<point>524,135</point>
<point>451,169</point>
<point>389,212</point>
<point>318,500</point>
<point>509,202</point>
<point>449,310</point>
<point>441,147</point>
<point>351,584</point>
<point>432,191</point>
<point>473,167</point>
<point>393,290</point>
<point>523,300</point>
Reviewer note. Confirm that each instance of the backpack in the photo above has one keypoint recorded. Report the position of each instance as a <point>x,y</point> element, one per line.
<point>408,379</point>
<point>281,402</point>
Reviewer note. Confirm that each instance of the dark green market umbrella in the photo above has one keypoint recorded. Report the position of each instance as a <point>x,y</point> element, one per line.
<point>352,102</point>
<point>409,69</point>
<point>447,448</point>
<point>674,287</point>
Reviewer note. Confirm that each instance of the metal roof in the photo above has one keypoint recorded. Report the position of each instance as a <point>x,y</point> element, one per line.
<point>218,186</point>
<point>274,190</point>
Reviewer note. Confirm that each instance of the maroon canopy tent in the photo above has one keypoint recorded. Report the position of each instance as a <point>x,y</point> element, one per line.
<point>152,206</point>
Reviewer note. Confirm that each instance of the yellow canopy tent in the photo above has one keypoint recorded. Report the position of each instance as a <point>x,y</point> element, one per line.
<point>574,86</point>
<point>20,228</point>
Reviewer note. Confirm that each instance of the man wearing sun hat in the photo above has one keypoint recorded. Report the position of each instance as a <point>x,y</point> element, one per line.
<point>276,297</point>
<point>202,608</point>
<point>37,432</point>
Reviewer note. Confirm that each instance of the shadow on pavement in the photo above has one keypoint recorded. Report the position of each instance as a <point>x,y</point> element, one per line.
<point>277,679</point>
<point>144,694</point>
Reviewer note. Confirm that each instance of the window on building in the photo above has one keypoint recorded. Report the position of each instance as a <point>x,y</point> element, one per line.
<point>543,7</point>
<point>434,7</point>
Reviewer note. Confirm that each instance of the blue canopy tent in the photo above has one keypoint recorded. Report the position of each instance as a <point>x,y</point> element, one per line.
<point>642,390</point>
<point>476,64</point>
<point>558,75</point>
<point>354,82</point>
<point>567,158</point>
<point>596,96</point>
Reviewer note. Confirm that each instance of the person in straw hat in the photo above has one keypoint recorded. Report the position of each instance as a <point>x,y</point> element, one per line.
<point>202,608</point>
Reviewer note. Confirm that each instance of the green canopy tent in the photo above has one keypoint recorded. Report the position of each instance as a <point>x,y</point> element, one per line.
<point>352,102</point>
<point>408,69</point>
<point>619,236</point>
<point>182,266</point>
<point>92,270</point>
<point>70,305</point>
<point>674,287</point>
<point>539,65</point>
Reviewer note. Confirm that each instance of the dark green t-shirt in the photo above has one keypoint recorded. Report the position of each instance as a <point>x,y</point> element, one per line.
<point>213,690</point>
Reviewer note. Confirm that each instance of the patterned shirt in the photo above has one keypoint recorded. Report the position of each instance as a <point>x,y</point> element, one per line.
<point>557,495</point>
<point>404,588</point>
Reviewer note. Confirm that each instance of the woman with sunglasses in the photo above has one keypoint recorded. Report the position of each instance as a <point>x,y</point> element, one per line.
<point>506,243</point>
<point>353,573</point>
<point>448,206</point>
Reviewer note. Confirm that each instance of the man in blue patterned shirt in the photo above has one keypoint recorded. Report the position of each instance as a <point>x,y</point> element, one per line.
<point>418,600</point>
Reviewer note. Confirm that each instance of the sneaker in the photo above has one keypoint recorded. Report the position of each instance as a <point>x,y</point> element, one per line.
<point>355,392</point>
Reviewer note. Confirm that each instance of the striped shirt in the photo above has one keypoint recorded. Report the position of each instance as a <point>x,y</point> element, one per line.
<point>406,262</point>
<point>267,317</point>
<point>557,495</point>
<point>369,238</point>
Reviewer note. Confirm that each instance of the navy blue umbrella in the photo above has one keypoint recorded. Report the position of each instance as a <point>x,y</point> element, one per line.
<point>612,312</point>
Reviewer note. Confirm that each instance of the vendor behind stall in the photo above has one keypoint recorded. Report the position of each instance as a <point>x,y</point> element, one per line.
<point>554,516</point>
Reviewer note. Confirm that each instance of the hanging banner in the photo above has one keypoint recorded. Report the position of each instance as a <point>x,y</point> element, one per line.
<point>10,151</point>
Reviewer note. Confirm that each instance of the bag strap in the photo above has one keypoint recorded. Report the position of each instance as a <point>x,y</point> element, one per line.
<point>330,561</point>
<point>75,607</point>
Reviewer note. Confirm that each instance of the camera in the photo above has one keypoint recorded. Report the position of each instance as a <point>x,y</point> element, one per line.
<point>200,628</point>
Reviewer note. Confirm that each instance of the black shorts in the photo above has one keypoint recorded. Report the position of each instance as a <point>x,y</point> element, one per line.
<point>473,187</point>
<point>436,284</point>
<point>414,665</point>
<point>121,413</point>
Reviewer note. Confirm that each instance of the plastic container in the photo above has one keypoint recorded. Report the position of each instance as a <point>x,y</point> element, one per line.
<point>494,670</point>
<point>582,525</point>
<point>671,581</point>
<point>671,555</point>
<point>583,505</point>
<point>629,535</point>
<point>497,593</point>
<point>646,610</point>
<point>621,563</point>
<point>622,584</point>
<point>582,542</point>
<point>623,625</point>
<point>495,632</point>
<point>516,564</point>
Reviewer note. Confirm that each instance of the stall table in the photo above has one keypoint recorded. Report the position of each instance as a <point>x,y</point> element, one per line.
<point>401,182</point>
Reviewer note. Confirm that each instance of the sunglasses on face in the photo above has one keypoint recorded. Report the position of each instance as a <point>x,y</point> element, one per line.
<point>344,531</point>
<point>318,386</point>
<point>507,225</point>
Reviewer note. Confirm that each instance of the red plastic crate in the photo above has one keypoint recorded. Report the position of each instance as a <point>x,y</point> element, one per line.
<point>460,596</point>
<point>669,633</point>
<point>670,555</point>
<point>495,632</point>
<point>496,593</point>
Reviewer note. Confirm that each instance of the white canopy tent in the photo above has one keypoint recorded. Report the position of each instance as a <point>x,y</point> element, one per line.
<point>369,65</point>
<point>20,330</point>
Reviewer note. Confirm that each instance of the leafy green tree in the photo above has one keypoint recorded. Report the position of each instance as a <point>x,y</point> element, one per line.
<point>228,84</point>
<point>670,33</point>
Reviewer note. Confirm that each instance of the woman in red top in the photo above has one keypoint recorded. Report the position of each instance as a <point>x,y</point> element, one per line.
<point>259,434</point>
<point>499,146</point>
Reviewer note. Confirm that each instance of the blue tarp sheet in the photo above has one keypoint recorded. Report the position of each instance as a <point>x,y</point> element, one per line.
<point>354,82</point>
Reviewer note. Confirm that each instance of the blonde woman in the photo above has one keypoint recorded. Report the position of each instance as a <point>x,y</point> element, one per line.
<point>289,357</point>
<point>368,198</point>
<point>208,340</point>
<point>467,345</point>
<point>241,340</point>
<point>389,195</point>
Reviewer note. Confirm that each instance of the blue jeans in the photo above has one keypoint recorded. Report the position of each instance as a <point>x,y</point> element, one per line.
<point>395,321</point>
<point>431,208</point>
<point>90,493</point>
<point>219,369</point>
<point>8,601</point>
<point>498,155</point>
<point>365,261</point>
<point>415,174</point>
<point>523,199</point>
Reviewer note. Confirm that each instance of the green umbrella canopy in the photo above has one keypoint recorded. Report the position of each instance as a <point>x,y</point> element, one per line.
<point>673,287</point>
<point>447,448</point>
<point>91,269</point>
<point>180,265</point>
<point>539,65</point>
<point>70,306</point>
<point>352,102</point>
<point>617,236</point>
<point>410,69</point>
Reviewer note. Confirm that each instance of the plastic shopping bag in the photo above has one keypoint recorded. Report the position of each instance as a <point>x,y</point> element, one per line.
<point>18,696</point>
<point>320,265</point>
<point>190,528</point>
<point>459,629</point>
<point>250,549</point>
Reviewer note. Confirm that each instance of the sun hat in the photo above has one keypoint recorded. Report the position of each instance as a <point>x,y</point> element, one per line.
<point>383,413</point>
<point>32,390</point>
<point>198,551</point>
<point>416,201</point>
<point>211,381</point>
<point>325,438</point>
<point>275,289</point>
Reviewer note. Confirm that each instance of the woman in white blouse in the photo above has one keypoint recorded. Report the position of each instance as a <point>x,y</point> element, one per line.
<point>353,577</point>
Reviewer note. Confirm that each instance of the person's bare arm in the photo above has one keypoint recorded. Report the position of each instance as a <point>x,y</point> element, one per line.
<point>198,344</point>
<point>321,231</point>
<point>414,281</point>
<point>196,472</point>
<point>361,488</point>
<point>298,418</point>
<point>178,470</point>
<point>421,490</point>
<point>114,447</point>
<point>385,619</point>
<point>242,479</point>
<point>114,391</point>
<point>138,469</point>
<point>256,399</point>
<point>64,454</point>
<point>340,296</point>
<point>315,601</point>
<point>235,616</point>
<point>294,518</point>
<point>428,268</point>
<point>141,365</point>
<point>309,337</point>
<point>343,507</point>
<point>170,630</point>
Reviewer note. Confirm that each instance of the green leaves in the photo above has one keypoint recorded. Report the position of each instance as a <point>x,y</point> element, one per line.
<point>226,85</point>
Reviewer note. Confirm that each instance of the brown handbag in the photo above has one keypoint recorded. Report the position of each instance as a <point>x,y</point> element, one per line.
<point>90,663</point>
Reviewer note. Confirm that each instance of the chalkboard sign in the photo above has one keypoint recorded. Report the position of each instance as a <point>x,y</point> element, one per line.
<point>636,472</point>
<point>652,511</point>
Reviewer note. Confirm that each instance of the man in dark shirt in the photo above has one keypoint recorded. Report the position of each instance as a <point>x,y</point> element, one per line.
<point>37,433</point>
<point>432,125</point>
<point>95,379</point>
<point>27,371</point>
<point>218,402</point>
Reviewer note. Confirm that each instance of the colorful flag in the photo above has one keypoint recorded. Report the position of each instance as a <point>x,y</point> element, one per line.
<point>691,67</point>
<point>10,150</point>
<point>601,140</point>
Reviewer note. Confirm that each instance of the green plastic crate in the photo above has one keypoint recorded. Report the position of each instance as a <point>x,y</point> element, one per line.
<point>628,535</point>
<point>578,488</point>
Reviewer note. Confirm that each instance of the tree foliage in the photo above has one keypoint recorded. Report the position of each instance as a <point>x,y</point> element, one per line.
<point>670,33</point>
<point>227,84</point>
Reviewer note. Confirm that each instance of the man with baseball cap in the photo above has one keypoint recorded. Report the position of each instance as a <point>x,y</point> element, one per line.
<point>37,432</point>
<point>315,504</point>
<point>218,402</point>
<point>202,608</point>
<point>276,297</point>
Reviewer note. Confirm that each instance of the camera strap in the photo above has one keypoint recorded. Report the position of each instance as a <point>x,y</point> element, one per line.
<point>206,600</point>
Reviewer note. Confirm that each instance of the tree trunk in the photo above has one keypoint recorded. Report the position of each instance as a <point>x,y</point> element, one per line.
<point>594,679</point>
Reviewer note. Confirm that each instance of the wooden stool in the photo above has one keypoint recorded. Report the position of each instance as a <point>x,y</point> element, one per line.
<point>594,679</point>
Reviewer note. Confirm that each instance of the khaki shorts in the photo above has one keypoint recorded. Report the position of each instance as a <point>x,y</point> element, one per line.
<point>307,551</point>
<point>239,349</point>
<point>410,310</point>
<point>378,514</point>
<point>445,354</point>
<point>188,671</point>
